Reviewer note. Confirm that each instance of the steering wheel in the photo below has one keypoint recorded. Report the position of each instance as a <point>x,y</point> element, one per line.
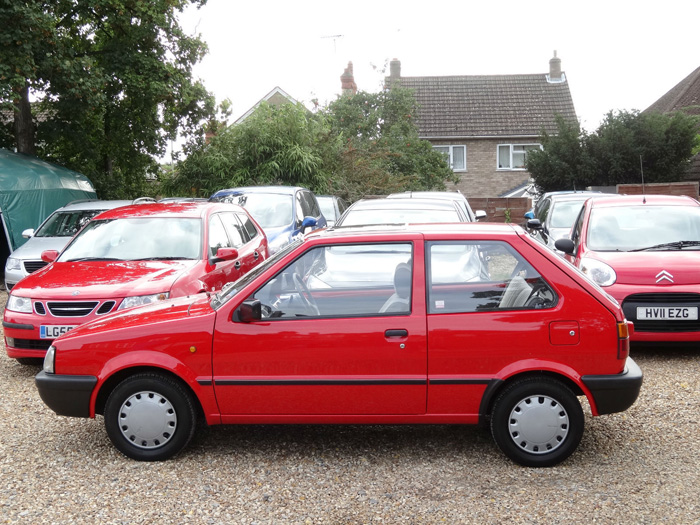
<point>305,294</point>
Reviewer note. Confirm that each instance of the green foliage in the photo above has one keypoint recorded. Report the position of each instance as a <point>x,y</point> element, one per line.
<point>366,144</point>
<point>615,154</point>
<point>113,80</point>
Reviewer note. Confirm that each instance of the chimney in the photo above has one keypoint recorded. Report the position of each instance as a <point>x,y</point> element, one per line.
<point>347,81</point>
<point>395,69</point>
<point>555,74</point>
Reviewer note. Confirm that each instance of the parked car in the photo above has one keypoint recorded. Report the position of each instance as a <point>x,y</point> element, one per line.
<point>316,335</point>
<point>401,211</point>
<point>53,234</point>
<point>555,214</point>
<point>284,212</point>
<point>456,196</point>
<point>645,252</point>
<point>332,207</point>
<point>126,257</point>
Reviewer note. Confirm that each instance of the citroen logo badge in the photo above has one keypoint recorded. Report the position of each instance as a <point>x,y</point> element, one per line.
<point>663,274</point>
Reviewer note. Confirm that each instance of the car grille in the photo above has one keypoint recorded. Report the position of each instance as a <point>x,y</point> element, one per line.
<point>631,302</point>
<point>71,309</point>
<point>106,307</point>
<point>32,344</point>
<point>33,266</point>
<point>39,308</point>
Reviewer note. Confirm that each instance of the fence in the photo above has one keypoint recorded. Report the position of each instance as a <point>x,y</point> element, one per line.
<point>502,209</point>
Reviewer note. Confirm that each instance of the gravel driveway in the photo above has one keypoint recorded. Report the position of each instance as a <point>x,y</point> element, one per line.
<point>639,466</point>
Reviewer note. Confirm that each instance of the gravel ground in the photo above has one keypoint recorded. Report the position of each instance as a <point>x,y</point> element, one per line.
<point>641,466</point>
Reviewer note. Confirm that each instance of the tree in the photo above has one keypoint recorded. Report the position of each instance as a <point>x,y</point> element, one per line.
<point>624,144</point>
<point>112,82</point>
<point>365,144</point>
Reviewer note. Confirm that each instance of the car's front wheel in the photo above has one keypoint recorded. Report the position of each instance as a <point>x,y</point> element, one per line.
<point>537,422</point>
<point>150,417</point>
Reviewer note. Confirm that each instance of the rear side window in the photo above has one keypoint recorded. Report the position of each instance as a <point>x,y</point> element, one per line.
<point>66,224</point>
<point>248,226</point>
<point>483,276</point>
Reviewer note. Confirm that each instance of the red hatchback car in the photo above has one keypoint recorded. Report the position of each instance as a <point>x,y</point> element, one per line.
<point>645,252</point>
<point>126,257</point>
<point>466,323</point>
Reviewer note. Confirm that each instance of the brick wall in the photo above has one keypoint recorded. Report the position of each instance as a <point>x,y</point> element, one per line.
<point>496,207</point>
<point>660,188</point>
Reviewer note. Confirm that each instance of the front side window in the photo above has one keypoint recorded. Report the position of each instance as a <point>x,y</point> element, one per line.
<point>456,156</point>
<point>512,156</point>
<point>483,276</point>
<point>341,280</point>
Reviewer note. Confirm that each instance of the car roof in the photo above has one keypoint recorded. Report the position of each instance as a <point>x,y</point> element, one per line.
<point>429,229</point>
<point>189,209</point>
<point>283,190</point>
<point>402,204</point>
<point>631,200</point>
<point>580,196</point>
<point>94,204</point>
<point>453,195</point>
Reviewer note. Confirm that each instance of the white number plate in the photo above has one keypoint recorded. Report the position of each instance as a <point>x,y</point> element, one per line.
<point>668,313</point>
<point>53,331</point>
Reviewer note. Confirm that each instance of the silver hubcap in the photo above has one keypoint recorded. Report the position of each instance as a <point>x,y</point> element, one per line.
<point>147,420</point>
<point>538,424</point>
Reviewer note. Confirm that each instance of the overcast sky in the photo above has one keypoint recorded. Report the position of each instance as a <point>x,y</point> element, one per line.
<point>616,54</point>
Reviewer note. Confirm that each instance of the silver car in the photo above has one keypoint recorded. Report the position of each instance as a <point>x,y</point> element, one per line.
<point>53,234</point>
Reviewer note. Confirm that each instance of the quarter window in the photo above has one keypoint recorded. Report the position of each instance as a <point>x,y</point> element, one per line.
<point>456,156</point>
<point>483,276</point>
<point>512,156</point>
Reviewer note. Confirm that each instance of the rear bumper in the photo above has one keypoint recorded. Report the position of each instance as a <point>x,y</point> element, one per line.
<point>66,395</point>
<point>615,393</point>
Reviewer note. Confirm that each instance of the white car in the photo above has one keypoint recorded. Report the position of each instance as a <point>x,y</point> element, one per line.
<point>53,234</point>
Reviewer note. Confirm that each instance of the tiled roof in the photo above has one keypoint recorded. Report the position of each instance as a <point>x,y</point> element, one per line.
<point>684,96</point>
<point>489,105</point>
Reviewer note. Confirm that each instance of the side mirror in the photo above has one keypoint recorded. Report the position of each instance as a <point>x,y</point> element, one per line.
<point>49,256</point>
<point>479,214</point>
<point>249,311</point>
<point>529,215</point>
<point>224,254</point>
<point>28,233</point>
<point>565,245</point>
<point>308,222</point>
<point>534,224</point>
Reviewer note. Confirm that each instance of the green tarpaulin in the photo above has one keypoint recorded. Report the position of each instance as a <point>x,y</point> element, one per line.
<point>31,189</point>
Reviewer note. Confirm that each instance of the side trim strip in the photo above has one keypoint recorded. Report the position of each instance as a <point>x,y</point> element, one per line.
<point>18,326</point>
<point>460,381</point>
<point>319,382</point>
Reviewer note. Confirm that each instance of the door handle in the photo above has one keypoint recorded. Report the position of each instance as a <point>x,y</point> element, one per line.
<point>237,265</point>
<point>256,255</point>
<point>396,333</point>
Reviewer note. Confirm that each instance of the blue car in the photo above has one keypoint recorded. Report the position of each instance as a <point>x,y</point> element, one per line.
<point>284,212</point>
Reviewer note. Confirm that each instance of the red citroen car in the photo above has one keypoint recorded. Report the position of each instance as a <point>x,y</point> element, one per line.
<point>451,324</point>
<point>126,257</point>
<point>645,252</point>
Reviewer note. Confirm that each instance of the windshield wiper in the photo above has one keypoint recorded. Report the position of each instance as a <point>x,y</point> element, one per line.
<point>174,258</point>
<point>81,259</point>
<point>677,245</point>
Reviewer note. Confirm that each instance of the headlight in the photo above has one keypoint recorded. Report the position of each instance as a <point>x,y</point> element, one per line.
<point>601,273</point>
<point>19,304</point>
<point>12,264</point>
<point>139,300</point>
<point>50,360</point>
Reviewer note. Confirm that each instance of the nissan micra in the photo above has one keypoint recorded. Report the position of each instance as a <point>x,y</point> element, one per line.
<point>436,323</point>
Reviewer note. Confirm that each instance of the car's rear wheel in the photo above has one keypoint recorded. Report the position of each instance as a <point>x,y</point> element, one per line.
<point>537,422</point>
<point>150,417</point>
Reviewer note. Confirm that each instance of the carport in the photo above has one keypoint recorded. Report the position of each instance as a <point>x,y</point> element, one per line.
<point>30,190</point>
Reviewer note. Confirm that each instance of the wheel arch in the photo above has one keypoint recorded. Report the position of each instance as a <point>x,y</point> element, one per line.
<point>496,386</point>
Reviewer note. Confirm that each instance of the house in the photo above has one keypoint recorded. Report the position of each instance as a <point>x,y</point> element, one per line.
<point>276,97</point>
<point>486,124</point>
<point>685,97</point>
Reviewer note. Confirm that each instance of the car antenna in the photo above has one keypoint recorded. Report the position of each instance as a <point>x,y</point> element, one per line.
<point>641,170</point>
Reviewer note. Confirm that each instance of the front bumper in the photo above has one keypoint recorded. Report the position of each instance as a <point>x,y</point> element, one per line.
<point>615,393</point>
<point>66,395</point>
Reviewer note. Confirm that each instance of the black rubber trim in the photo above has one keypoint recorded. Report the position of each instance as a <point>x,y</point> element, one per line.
<point>615,393</point>
<point>317,382</point>
<point>66,395</point>
<point>18,326</point>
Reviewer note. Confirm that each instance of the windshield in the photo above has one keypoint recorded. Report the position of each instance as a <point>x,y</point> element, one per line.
<point>137,238</point>
<point>564,213</point>
<point>65,223</point>
<point>626,228</point>
<point>370,217</point>
<point>270,210</point>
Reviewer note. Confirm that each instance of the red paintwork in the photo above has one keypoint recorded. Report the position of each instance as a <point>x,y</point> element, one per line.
<point>115,280</point>
<point>207,348</point>
<point>636,271</point>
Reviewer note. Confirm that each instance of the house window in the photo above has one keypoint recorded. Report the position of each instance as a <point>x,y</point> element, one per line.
<point>512,156</point>
<point>456,156</point>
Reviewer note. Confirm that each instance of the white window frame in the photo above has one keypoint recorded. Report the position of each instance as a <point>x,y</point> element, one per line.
<point>511,148</point>
<point>450,154</point>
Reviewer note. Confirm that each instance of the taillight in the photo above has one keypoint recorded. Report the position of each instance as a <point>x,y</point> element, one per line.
<point>623,340</point>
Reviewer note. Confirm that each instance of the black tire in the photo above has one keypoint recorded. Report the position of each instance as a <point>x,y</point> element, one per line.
<point>150,417</point>
<point>537,422</point>
<point>31,361</point>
